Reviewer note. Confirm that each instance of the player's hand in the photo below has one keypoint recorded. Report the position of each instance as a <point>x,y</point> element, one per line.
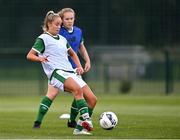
<point>43,59</point>
<point>79,70</point>
<point>87,67</point>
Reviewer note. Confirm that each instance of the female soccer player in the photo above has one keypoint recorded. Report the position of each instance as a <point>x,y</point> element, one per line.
<point>74,37</point>
<point>52,50</point>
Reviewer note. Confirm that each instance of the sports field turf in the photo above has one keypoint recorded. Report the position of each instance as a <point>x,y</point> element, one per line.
<point>140,117</point>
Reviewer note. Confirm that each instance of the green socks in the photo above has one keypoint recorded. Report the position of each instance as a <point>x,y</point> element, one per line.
<point>90,111</point>
<point>74,111</point>
<point>80,106</point>
<point>83,109</point>
<point>43,108</point>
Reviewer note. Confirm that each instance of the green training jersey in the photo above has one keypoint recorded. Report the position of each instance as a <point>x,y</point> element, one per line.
<point>56,51</point>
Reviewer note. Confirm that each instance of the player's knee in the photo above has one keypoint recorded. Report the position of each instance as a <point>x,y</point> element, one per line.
<point>78,93</point>
<point>51,95</point>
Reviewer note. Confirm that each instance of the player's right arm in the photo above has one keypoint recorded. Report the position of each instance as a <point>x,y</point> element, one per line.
<point>38,47</point>
<point>32,55</point>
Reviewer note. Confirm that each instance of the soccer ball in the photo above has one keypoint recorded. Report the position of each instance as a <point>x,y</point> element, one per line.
<point>108,120</point>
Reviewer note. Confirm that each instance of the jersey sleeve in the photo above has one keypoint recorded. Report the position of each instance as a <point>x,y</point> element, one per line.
<point>68,46</point>
<point>39,45</point>
<point>82,40</point>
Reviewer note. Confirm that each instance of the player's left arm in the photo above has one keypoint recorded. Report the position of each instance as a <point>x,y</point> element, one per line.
<point>83,52</point>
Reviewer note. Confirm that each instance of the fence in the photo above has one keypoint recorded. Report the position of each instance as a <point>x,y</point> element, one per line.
<point>136,70</point>
<point>119,69</point>
<point>19,76</point>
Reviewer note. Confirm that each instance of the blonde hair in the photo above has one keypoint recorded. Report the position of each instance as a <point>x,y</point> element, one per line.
<point>64,10</point>
<point>50,16</point>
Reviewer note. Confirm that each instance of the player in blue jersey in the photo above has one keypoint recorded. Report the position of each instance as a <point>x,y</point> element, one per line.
<point>74,37</point>
<point>52,51</point>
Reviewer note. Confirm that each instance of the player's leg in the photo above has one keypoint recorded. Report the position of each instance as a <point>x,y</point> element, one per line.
<point>91,101</point>
<point>90,98</point>
<point>45,105</point>
<point>74,87</point>
<point>73,114</point>
<point>81,123</point>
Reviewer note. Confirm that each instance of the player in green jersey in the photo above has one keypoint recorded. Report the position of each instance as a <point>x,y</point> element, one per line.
<point>52,50</point>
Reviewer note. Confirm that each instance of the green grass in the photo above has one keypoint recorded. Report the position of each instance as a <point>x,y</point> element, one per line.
<point>140,117</point>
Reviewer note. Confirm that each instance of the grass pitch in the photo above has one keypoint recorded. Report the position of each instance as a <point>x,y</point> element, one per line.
<point>140,117</point>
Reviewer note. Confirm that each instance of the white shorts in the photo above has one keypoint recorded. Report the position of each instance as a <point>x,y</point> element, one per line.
<point>59,76</point>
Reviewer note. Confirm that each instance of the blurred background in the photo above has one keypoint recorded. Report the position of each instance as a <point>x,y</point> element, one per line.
<point>133,45</point>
